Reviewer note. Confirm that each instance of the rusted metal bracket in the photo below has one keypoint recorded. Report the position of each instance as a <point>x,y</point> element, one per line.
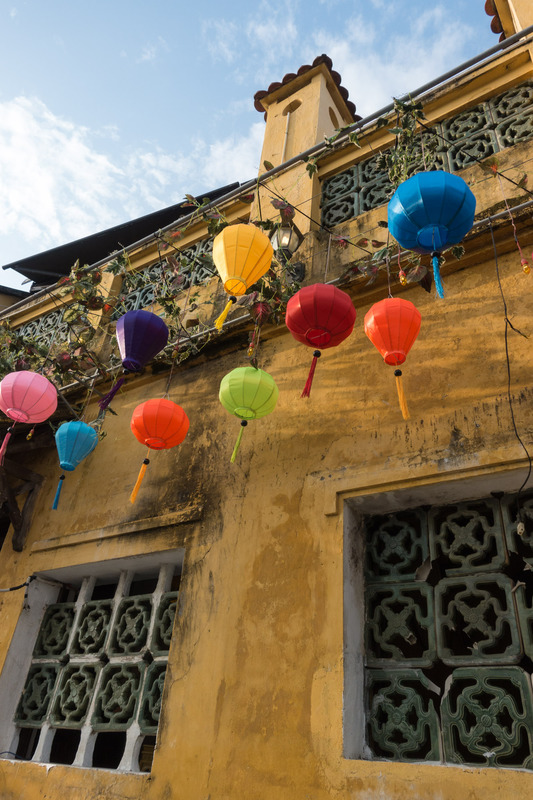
<point>11,474</point>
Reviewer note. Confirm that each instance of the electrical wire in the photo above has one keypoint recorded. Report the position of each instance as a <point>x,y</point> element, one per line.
<point>508,324</point>
<point>20,585</point>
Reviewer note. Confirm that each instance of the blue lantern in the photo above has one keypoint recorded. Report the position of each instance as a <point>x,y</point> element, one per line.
<point>429,212</point>
<point>74,441</point>
<point>141,335</point>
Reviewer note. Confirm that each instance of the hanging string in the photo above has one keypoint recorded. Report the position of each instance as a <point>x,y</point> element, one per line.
<point>327,258</point>
<point>402,277</point>
<point>523,261</point>
<point>387,264</point>
<point>508,324</point>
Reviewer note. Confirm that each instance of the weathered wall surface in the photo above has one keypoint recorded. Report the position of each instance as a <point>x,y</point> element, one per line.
<point>253,704</point>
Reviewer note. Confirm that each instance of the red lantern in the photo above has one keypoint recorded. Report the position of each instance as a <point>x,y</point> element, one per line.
<point>320,316</point>
<point>392,326</point>
<point>160,425</point>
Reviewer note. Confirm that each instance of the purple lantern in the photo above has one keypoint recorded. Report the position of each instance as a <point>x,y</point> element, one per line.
<point>141,335</point>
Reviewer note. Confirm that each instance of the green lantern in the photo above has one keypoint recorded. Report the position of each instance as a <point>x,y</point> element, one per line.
<point>247,393</point>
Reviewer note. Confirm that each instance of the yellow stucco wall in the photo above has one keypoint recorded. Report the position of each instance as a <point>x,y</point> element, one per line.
<point>253,704</point>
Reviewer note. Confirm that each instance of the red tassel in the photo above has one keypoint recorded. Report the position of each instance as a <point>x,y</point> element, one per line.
<point>107,398</point>
<point>307,388</point>
<point>3,449</point>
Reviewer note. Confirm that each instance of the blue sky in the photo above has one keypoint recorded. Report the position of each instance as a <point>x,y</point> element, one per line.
<point>110,110</point>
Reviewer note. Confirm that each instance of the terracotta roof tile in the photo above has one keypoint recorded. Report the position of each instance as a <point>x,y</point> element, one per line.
<point>495,23</point>
<point>323,59</point>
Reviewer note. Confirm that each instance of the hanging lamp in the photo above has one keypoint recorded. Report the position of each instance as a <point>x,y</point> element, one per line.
<point>141,335</point>
<point>159,424</point>
<point>319,316</point>
<point>74,441</point>
<point>242,254</point>
<point>392,326</point>
<point>26,396</point>
<point>430,212</point>
<point>247,393</point>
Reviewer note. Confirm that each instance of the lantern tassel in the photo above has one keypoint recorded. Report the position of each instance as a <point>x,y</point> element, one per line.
<point>3,449</point>
<point>401,395</point>
<point>58,493</point>
<point>142,472</point>
<point>107,398</point>
<point>307,388</point>
<point>435,258</point>
<point>238,442</point>
<point>219,322</point>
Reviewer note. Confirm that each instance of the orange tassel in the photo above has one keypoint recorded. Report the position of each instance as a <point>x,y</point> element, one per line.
<point>219,322</point>
<point>140,477</point>
<point>401,395</point>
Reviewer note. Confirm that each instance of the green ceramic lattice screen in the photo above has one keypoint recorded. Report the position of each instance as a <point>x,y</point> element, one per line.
<point>98,666</point>
<point>477,133</point>
<point>449,634</point>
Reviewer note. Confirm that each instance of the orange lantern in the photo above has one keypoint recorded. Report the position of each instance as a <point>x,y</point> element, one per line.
<point>242,254</point>
<point>160,425</point>
<point>392,326</point>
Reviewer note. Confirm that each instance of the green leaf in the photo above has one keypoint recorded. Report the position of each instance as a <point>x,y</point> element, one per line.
<point>268,165</point>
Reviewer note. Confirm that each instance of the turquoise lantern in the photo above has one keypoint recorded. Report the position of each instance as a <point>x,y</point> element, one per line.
<point>430,212</point>
<point>74,441</point>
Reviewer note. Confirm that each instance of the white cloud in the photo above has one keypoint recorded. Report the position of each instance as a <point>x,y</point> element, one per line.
<point>375,70</point>
<point>221,38</point>
<point>151,50</point>
<point>56,184</point>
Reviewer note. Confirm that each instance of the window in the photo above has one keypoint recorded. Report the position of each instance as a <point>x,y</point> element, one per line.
<point>97,650</point>
<point>448,635</point>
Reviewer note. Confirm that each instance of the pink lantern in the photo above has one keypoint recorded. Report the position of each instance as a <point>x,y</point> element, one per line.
<point>26,396</point>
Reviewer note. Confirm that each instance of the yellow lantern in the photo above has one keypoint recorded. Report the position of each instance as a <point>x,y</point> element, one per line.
<point>242,254</point>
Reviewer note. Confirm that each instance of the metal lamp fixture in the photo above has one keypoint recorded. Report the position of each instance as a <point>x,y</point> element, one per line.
<point>286,239</point>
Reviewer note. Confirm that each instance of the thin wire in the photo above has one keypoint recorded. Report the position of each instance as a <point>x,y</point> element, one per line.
<point>508,324</point>
<point>327,258</point>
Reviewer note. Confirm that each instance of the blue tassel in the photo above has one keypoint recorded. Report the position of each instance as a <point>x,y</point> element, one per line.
<point>58,492</point>
<point>436,276</point>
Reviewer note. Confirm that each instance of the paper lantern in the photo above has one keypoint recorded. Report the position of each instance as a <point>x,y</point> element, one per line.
<point>74,441</point>
<point>26,397</point>
<point>429,212</point>
<point>242,254</point>
<point>247,393</point>
<point>392,326</point>
<point>160,425</point>
<point>319,316</point>
<point>141,335</point>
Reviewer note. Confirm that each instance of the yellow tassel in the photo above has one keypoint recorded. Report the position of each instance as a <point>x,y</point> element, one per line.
<point>219,322</point>
<point>401,395</point>
<point>140,477</point>
<point>238,442</point>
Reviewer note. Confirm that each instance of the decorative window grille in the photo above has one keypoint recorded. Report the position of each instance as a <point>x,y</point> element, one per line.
<point>477,133</point>
<point>448,634</point>
<point>196,268</point>
<point>92,694</point>
<point>47,329</point>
